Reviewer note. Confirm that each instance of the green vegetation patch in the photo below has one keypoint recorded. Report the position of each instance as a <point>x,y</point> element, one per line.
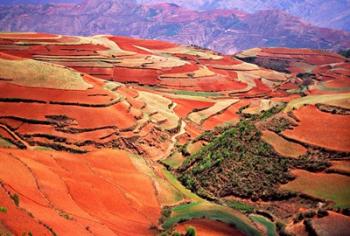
<point>200,208</point>
<point>174,182</point>
<point>191,231</point>
<point>199,94</point>
<point>3,209</point>
<point>238,163</point>
<point>15,199</point>
<point>174,161</point>
<point>240,206</point>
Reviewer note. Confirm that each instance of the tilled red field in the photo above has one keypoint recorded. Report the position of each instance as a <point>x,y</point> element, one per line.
<point>321,129</point>
<point>92,193</point>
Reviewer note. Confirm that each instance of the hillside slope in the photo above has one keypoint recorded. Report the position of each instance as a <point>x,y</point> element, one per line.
<point>226,31</point>
<point>332,14</point>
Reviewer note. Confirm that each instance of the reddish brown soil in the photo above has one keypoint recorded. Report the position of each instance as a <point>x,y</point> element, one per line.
<point>67,50</point>
<point>86,117</point>
<point>224,80</point>
<point>150,44</point>
<point>226,60</point>
<point>18,220</point>
<point>228,116</point>
<point>193,130</point>
<point>181,69</point>
<point>334,224</point>
<point>306,55</point>
<point>91,96</point>
<point>282,146</point>
<point>333,86</point>
<point>260,89</point>
<point>186,106</point>
<point>4,133</point>
<point>321,129</point>
<point>141,76</point>
<point>9,57</point>
<point>96,192</point>
<point>28,110</point>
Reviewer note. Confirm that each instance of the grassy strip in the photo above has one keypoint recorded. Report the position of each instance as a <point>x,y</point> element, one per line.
<point>173,181</point>
<point>240,206</point>
<point>5,143</point>
<point>270,227</point>
<point>209,211</point>
<point>200,208</point>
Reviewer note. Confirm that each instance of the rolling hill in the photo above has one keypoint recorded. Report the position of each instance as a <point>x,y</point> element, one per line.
<point>112,135</point>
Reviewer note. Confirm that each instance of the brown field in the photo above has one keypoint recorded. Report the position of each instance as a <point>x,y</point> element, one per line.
<point>342,167</point>
<point>192,148</point>
<point>283,147</point>
<point>322,186</point>
<point>334,224</point>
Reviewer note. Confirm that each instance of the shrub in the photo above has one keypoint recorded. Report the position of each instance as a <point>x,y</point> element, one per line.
<point>309,228</point>
<point>309,214</point>
<point>299,217</point>
<point>25,234</point>
<point>65,215</point>
<point>322,213</point>
<point>281,229</point>
<point>188,181</point>
<point>346,211</point>
<point>191,231</point>
<point>15,199</point>
<point>166,212</point>
<point>3,209</point>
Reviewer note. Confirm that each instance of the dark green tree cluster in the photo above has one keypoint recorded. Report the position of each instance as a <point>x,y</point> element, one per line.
<point>239,163</point>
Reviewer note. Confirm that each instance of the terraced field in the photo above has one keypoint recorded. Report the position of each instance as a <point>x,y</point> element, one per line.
<point>123,136</point>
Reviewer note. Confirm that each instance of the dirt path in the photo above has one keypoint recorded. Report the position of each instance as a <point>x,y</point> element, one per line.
<point>174,137</point>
